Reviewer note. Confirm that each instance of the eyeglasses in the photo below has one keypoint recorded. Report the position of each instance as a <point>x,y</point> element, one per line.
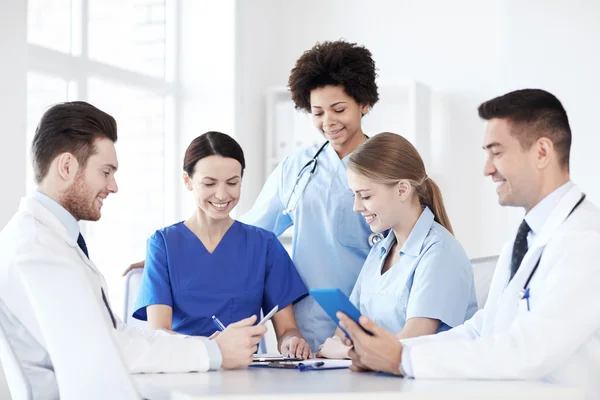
<point>302,180</point>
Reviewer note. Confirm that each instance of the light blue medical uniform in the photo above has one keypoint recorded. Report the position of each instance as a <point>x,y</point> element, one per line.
<point>247,271</point>
<point>432,279</point>
<point>330,241</point>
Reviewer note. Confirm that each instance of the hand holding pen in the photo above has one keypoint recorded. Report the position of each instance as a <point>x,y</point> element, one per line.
<point>239,341</point>
<point>219,325</point>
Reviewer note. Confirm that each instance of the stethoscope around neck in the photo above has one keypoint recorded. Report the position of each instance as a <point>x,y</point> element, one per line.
<point>525,292</point>
<point>311,167</point>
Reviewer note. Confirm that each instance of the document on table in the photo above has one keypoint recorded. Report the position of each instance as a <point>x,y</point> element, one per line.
<point>306,365</point>
<point>268,357</point>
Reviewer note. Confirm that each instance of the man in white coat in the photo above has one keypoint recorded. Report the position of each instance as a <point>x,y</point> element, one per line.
<point>542,317</point>
<point>75,163</point>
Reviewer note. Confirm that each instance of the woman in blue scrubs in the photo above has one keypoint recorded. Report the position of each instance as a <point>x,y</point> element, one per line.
<point>418,280</point>
<point>335,82</point>
<point>211,264</point>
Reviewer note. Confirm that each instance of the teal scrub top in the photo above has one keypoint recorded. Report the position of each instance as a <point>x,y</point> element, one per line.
<point>432,279</point>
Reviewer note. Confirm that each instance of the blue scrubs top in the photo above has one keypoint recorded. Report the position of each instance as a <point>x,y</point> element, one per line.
<point>432,279</point>
<point>247,271</point>
<point>330,242</point>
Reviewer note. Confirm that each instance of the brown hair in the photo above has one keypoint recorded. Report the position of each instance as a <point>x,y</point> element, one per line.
<point>210,144</point>
<point>388,158</point>
<point>533,113</point>
<point>69,128</point>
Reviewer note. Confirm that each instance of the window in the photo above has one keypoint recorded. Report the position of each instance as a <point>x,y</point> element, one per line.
<point>119,56</point>
<point>42,92</point>
<point>129,34</point>
<point>50,24</point>
<point>136,211</point>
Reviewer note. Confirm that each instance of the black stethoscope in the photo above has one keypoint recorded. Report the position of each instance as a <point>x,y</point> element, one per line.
<point>525,291</point>
<point>310,167</point>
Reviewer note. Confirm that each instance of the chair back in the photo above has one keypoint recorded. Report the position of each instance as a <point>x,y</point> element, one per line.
<point>78,333</point>
<point>483,271</point>
<point>13,371</point>
<point>133,282</point>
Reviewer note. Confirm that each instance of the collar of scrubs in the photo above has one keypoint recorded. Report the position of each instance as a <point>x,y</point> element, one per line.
<point>414,243</point>
<point>330,151</point>
<point>331,154</point>
<point>538,216</point>
<point>65,217</point>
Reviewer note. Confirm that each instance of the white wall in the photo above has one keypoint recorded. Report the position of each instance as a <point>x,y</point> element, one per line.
<point>13,36</point>
<point>467,51</point>
<point>207,79</point>
<point>13,67</point>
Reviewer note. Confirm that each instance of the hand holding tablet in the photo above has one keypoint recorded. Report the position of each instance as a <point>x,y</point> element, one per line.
<point>334,300</point>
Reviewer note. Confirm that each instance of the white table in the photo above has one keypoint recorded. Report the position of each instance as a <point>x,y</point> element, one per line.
<point>259,383</point>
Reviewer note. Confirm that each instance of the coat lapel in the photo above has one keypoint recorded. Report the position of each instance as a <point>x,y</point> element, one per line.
<point>505,298</point>
<point>48,219</point>
<point>555,220</point>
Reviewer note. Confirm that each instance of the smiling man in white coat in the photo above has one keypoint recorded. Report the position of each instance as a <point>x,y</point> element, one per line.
<point>75,163</point>
<point>542,317</point>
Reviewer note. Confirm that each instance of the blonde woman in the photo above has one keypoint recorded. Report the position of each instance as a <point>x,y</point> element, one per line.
<point>418,280</point>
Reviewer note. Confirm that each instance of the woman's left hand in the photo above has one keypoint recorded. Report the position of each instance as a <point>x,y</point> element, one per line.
<point>294,346</point>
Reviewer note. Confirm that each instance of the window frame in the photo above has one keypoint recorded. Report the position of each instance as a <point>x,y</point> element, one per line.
<point>77,67</point>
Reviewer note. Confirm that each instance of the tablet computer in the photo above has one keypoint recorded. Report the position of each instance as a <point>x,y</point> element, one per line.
<point>334,300</point>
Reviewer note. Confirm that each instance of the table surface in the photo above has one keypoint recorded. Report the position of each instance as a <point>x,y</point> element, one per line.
<point>269,383</point>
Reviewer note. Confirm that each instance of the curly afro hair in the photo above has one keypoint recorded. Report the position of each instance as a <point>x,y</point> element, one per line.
<point>336,63</point>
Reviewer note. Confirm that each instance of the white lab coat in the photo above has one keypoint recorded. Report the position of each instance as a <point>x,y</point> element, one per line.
<point>558,340</point>
<point>34,230</point>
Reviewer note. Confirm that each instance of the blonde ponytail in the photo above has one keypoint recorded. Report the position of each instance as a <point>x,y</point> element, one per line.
<point>389,158</point>
<point>431,196</point>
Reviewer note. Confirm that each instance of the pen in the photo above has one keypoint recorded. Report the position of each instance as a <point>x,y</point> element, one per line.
<point>525,296</point>
<point>218,323</point>
<point>305,367</point>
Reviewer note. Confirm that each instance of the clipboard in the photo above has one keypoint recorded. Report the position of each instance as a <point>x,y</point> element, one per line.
<point>306,365</point>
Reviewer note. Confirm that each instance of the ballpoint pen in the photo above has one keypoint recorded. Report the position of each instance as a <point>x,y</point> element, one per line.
<point>218,323</point>
<point>305,367</point>
<point>525,296</point>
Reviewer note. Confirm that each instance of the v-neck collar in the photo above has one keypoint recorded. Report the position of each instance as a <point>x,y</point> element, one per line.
<point>200,241</point>
<point>414,243</point>
<point>335,160</point>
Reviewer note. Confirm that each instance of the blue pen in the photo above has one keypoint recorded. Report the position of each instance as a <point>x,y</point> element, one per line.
<point>218,323</point>
<point>525,296</point>
<point>305,367</point>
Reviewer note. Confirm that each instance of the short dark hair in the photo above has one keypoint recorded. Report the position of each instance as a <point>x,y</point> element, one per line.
<point>336,63</point>
<point>210,144</point>
<point>534,113</point>
<point>70,127</point>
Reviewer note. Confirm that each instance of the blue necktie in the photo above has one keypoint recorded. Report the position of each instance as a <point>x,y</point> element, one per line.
<point>519,248</point>
<point>83,247</point>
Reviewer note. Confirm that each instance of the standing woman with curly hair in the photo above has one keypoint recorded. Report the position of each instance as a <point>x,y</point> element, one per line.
<point>335,82</point>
